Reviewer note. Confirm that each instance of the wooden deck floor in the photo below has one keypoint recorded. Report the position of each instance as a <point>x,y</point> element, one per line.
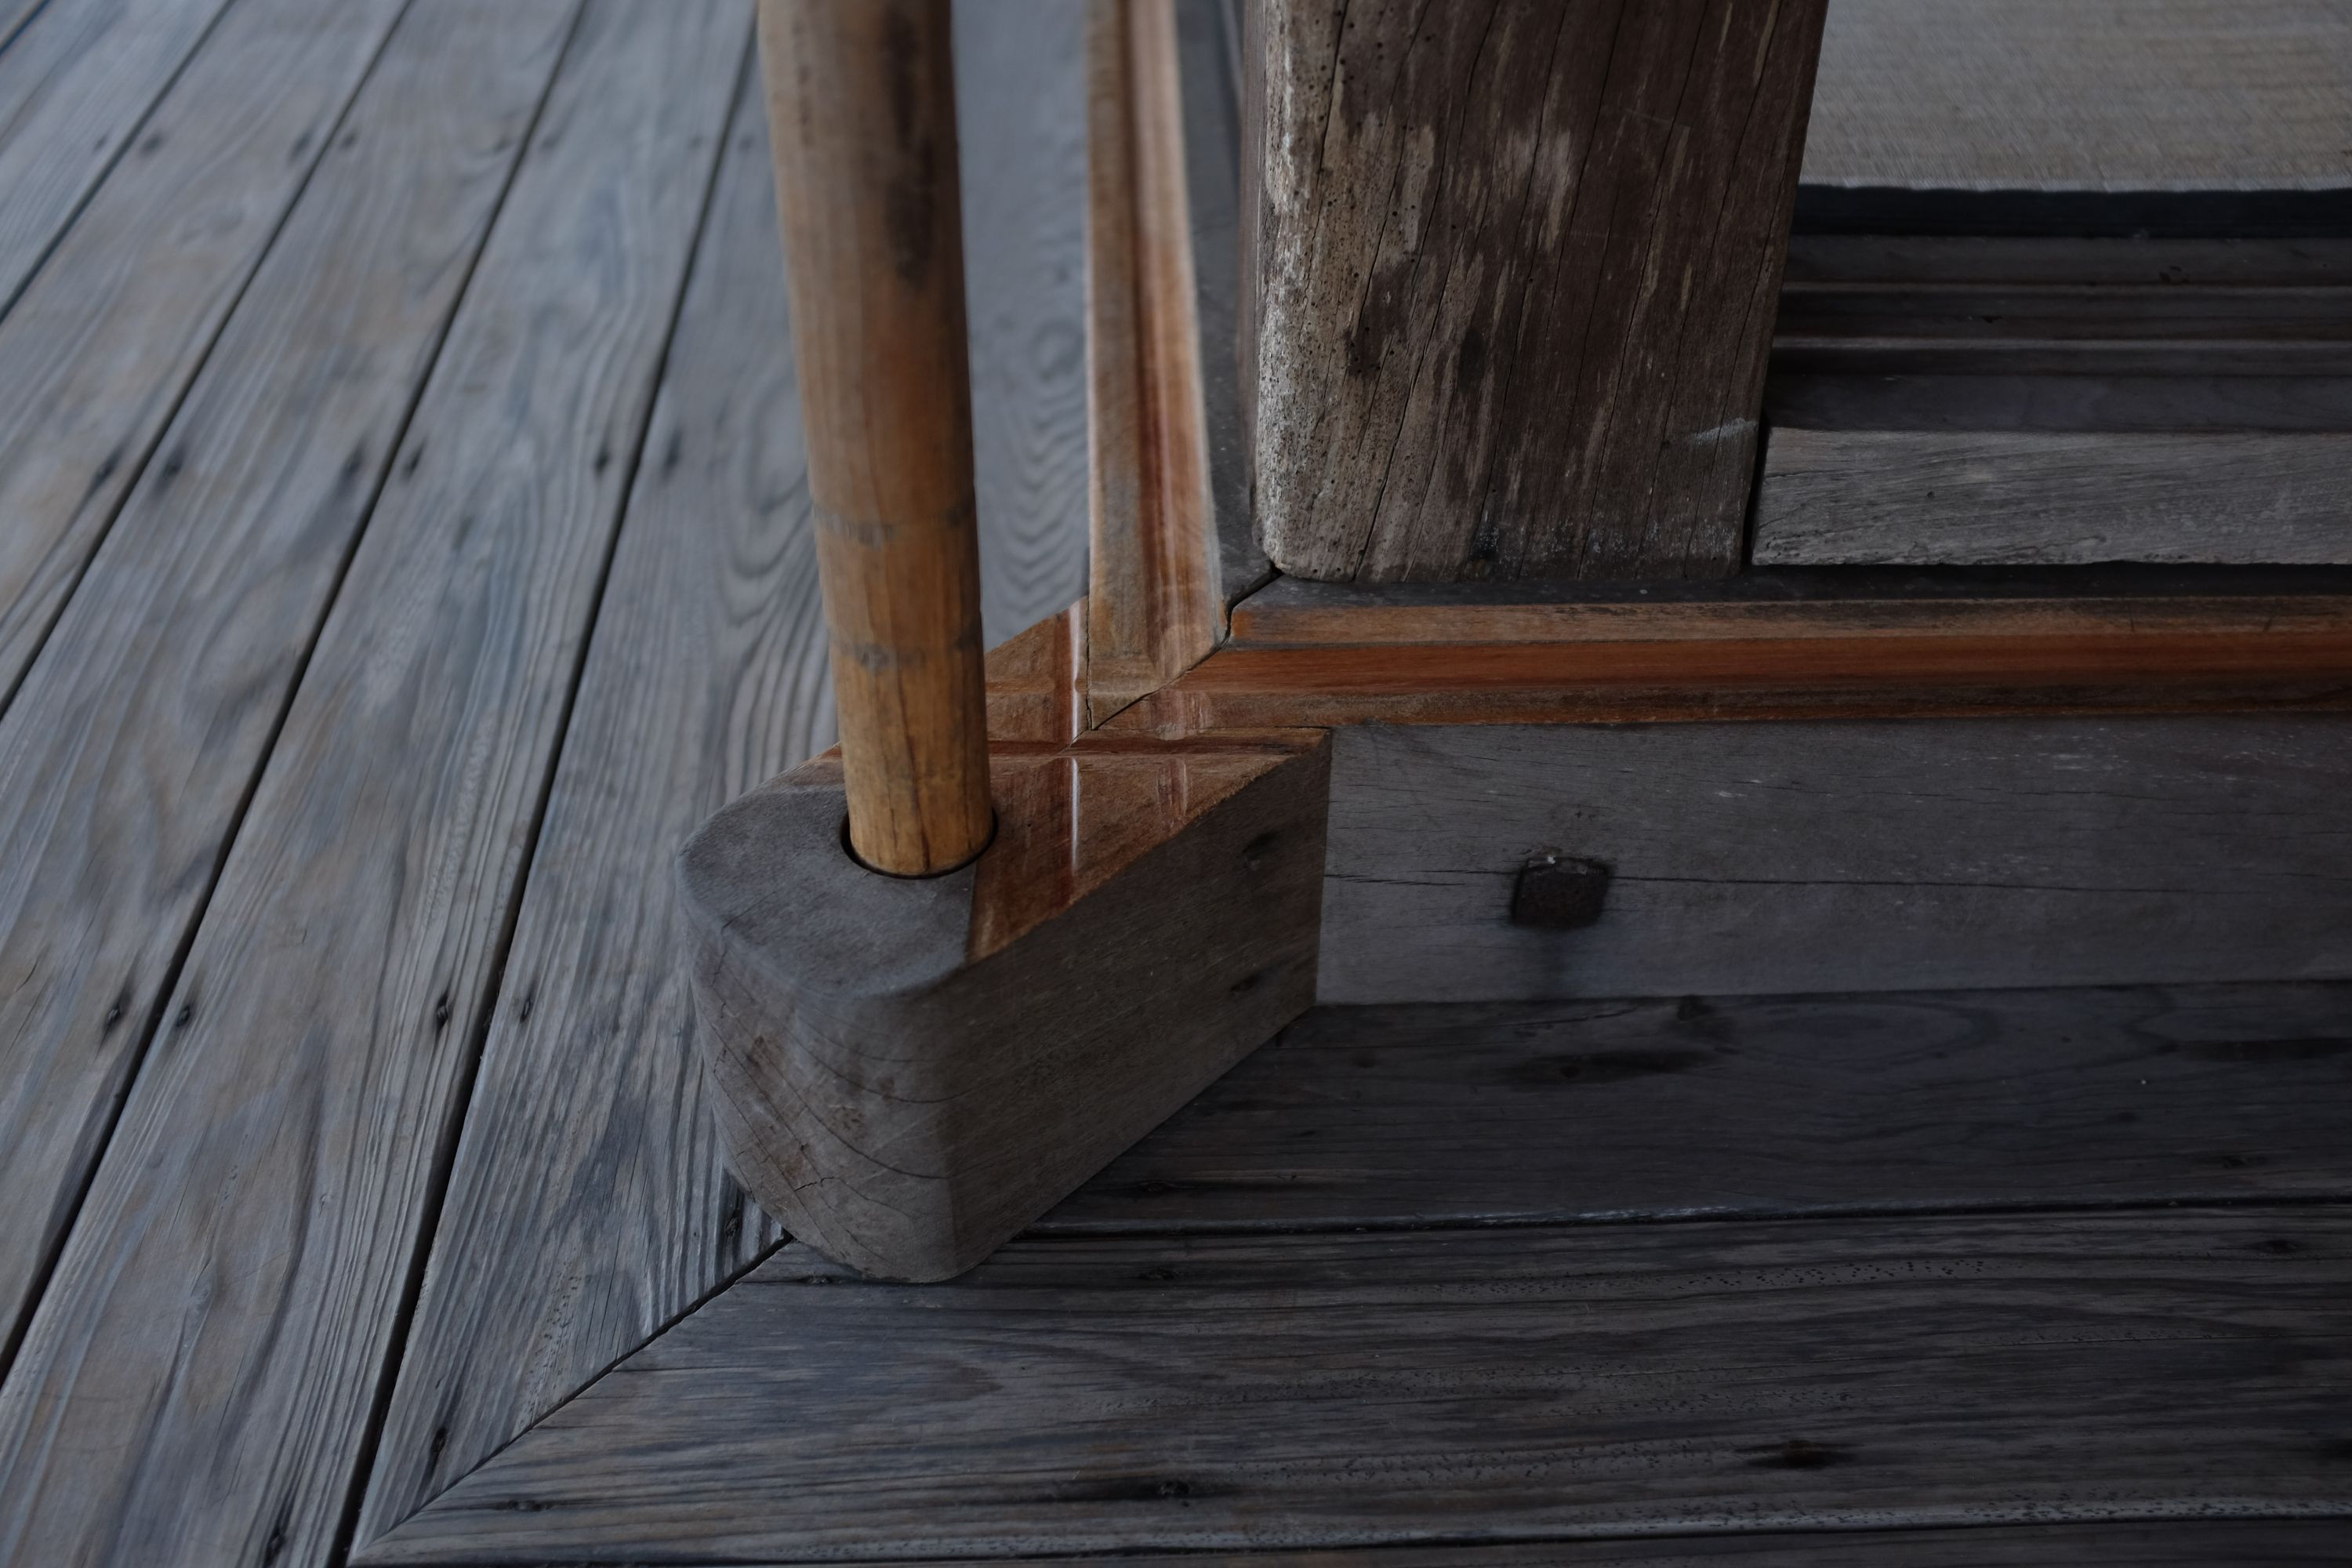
<point>404,543</point>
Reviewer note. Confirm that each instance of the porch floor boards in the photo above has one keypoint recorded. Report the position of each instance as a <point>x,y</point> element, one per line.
<point>400,549</point>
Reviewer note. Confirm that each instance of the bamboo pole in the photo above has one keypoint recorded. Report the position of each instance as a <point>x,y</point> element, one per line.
<point>861,98</point>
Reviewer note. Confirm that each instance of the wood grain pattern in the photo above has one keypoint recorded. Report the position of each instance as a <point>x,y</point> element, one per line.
<point>2166,666</point>
<point>1590,1111</point>
<point>1781,858</point>
<point>2253,1543</point>
<point>1483,1385</point>
<point>2028,354</point>
<point>1021,121</point>
<point>862,121</point>
<point>100,347</point>
<point>2177,1543</point>
<point>2041,497</point>
<point>2094,96</point>
<point>126,758</point>
<point>1790,605</point>
<point>1514,267</point>
<point>2152,405</point>
<point>1155,604</point>
<point>908,1070</point>
<point>2154,325</point>
<point>200,1377</point>
<point>1037,683</point>
<point>74,86</point>
<point>2071,261</point>
<point>589,1204</point>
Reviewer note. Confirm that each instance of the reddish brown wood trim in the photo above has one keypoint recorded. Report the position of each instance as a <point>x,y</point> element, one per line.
<point>1269,621</point>
<point>2167,669</point>
<point>1155,607</point>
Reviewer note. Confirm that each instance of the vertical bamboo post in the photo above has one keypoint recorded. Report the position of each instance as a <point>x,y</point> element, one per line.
<point>861,98</point>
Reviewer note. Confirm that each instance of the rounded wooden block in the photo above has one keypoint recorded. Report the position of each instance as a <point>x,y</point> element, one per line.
<point>905,1077</point>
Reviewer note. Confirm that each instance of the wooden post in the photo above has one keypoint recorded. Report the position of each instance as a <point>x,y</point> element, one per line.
<point>861,97</point>
<point>1154,603</point>
<point>1515,265</point>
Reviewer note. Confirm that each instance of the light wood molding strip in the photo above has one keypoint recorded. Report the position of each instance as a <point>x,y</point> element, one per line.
<point>1155,604</point>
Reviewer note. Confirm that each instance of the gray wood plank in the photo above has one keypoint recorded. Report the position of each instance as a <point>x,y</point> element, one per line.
<point>103,343</point>
<point>128,754</point>
<point>199,1381</point>
<point>1520,1112</point>
<point>14,16</point>
<point>2131,260</point>
<point>2087,95</point>
<point>1842,856</point>
<point>1020,118</point>
<point>2155,404</point>
<point>2200,1544</point>
<point>2039,498</point>
<point>589,1204</point>
<point>1135,1393</point>
<point>74,86</point>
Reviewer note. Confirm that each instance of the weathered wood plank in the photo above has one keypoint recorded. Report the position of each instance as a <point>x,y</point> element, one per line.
<point>126,758</point>
<point>1515,267</point>
<point>2303,261</point>
<point>198,1383</point>
<point>2020,497</point>
<point>2152,404</point>
<point>1020,118</point>
<point>589,1204</point>
<point>102,343</point>
<point>2176,1543</point>
<point>1519,1113</point>
<point>74,86</point>
<point>1130,1393</point>
<point>2231,114</point>
<point>1854,856</point>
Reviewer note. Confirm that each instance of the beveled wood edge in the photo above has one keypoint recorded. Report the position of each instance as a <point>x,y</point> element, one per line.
<point>2165,668</point>
<point>1547,1546</point>
<point>1156,606</point>
<point>2277,1542</point>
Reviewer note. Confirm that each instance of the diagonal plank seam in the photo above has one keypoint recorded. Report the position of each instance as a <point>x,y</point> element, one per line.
<point>429,1219</point>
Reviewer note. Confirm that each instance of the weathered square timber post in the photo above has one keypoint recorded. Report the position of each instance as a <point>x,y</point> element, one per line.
<point>1515,265</point>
